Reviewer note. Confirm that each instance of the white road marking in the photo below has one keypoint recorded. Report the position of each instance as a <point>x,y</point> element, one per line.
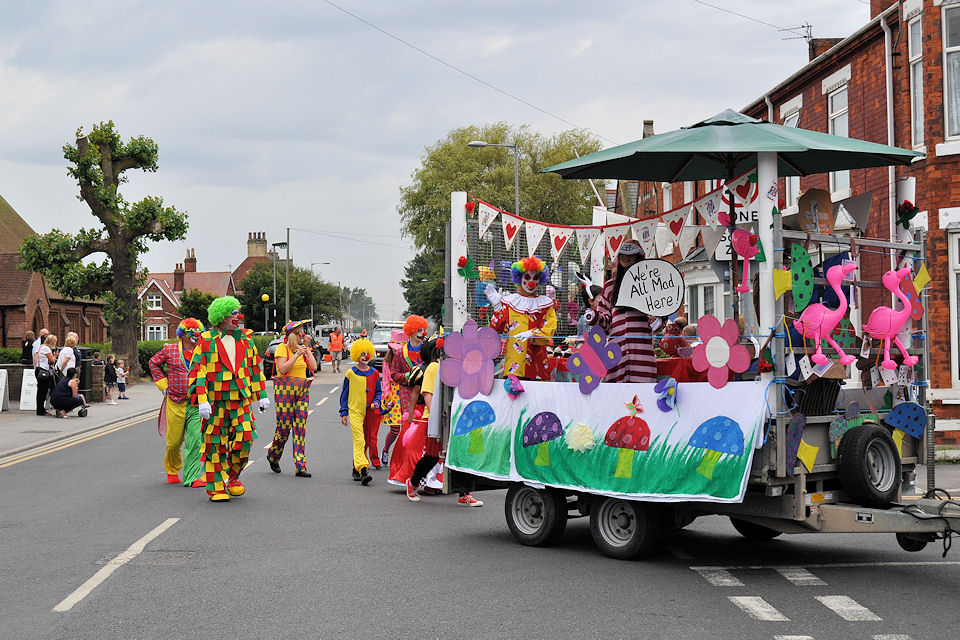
<point>268,446</point>
<point>309,412</point>
<point>848,608</point>
<point>758,608</point>
<point>835,565</point>
<point>800,577</point>
<point>719,578</point>
<point>895,636</point>
<point>679,554</point>
<point>135,549</point>
<point>793,638</point>
<point>249,462</point>
<point>334,390</point>
<point>322,400</point>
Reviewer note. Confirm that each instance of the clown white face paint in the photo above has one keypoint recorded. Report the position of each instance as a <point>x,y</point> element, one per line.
<point>530,282</point>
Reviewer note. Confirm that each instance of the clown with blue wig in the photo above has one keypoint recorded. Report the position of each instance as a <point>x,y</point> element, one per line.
<point>528,318</point>
<point>179,420</point>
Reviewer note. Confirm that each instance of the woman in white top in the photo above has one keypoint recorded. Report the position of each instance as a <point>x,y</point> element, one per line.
<point>68,357</point>
<point>45,360</point>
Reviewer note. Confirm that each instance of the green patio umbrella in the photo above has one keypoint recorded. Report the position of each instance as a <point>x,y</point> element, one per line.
<point>726,145</point>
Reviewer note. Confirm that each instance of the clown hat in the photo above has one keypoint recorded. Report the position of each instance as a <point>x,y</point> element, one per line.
<point>293,324</point>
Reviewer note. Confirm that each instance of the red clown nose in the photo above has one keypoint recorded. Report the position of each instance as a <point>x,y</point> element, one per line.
<point>239,316</point>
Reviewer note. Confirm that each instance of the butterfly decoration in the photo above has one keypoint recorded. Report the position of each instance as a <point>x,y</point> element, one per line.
<point>666,391</point>
<point>595,357</point>
<point>512,386</point>
<point>634,407</point>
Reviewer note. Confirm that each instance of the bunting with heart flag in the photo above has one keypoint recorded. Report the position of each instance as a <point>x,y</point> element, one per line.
<point>485,216</point>
<point>674,220</point>
<point>511,228</point>
<point>559,236</point>
<point>613,237</point>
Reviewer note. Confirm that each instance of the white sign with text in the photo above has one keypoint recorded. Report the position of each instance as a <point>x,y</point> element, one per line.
<point>4,391</point>
<point>654,287</point>
<point>28,391</point>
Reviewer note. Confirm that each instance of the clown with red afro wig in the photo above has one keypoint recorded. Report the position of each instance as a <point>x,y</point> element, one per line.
<point>414,325</point>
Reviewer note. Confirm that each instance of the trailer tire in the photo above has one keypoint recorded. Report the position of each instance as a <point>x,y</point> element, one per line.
<point>536,517</point>
<point>752,531</point>
<point>624,529</point>
<point>869,466</point>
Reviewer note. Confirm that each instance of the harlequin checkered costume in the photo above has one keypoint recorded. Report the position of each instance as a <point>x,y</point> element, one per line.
<point>291,397</point>
<point>231,390</point>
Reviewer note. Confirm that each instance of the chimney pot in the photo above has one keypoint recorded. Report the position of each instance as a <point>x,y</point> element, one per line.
<point>647,128</point>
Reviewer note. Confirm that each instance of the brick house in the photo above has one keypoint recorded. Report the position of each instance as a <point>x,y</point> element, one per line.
<point>160,296</point>
<point>29,303</point>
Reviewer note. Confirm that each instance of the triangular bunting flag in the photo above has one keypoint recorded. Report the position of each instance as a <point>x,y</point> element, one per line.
<point>674,220</point>
<point>613,237</point>
<point>535,232</point>
<point>709,207</point>
<point>558,240</point>
<point>688,238</point>
<point>664,241</point>
<point>485,216</point>
<point>743,190</point>
<point>644,232</point>
<point>711,238</point>
<point>586,237</point>
<point>858,208</point>
<point>511,228</point>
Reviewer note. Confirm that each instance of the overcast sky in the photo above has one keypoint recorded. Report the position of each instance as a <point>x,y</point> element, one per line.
<point>297,114</point>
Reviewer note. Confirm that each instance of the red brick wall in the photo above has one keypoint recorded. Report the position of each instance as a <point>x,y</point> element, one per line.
<point>167,314</point>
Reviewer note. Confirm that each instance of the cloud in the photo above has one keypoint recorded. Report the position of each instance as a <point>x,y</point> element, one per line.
<point>581,47</point>
<point>496,45</point>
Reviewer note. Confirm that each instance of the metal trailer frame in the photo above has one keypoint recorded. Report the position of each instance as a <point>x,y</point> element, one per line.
<point>776,501</point>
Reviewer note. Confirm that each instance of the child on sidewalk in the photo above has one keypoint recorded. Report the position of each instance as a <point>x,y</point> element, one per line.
<point>122,380</point>
<point>359,400</point>
<point>110,377</point>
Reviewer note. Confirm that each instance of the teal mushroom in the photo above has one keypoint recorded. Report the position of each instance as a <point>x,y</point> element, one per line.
<point>475,417</point>
<point>717,435</point>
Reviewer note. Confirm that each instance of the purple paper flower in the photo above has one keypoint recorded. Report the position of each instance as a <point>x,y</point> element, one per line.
<point>469,365</point>
<point>666,391</point>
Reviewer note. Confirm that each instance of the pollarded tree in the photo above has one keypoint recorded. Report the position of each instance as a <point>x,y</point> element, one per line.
<point>99,161</point>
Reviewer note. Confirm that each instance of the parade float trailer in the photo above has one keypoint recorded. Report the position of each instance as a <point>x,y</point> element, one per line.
<point>794,447</point>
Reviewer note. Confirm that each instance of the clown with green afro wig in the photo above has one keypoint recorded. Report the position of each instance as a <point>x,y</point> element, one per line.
<point>221,308</point>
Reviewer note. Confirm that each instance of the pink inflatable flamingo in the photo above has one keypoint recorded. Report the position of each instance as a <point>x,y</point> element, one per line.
<point>745,244</point>
<point>886,323</point>
<point>818,321</point>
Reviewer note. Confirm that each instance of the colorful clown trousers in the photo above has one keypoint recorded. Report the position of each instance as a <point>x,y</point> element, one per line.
<point>227,438</point>
<point>291,397</point>
<point>183,429</point>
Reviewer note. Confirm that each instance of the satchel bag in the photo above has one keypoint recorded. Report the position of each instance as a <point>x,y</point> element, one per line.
<point>43,375</point>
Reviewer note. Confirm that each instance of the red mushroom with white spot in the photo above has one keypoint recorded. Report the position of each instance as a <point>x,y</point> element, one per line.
<point>629,434</point>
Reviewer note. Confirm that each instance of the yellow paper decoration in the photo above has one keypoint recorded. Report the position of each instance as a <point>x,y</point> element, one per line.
<point>898,438</point>
<point>782,282</point>
<point>486,273</point>
<point>922,279</point>
<point>807,453</point>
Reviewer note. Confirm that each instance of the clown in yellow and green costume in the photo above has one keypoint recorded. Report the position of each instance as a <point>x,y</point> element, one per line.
<point>225,381</point>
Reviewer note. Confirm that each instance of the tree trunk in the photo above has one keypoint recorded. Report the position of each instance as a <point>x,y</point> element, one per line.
<point>125,330</point>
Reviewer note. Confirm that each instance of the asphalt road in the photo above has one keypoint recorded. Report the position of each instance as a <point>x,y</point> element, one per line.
<point>326,558</point>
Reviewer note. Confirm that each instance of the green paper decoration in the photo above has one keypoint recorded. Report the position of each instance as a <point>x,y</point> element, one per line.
<point>802,271</point>
<point>761,256</point>
<point>845,335</point>
<point>470,270</point>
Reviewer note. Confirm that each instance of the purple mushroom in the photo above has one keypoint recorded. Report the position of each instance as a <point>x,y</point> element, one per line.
<point>541,429</point>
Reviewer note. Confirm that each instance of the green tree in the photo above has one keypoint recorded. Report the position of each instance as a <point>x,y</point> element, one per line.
<point>194,304</point>
<point>98,162</point>
<point>360,305</point>
<point>450,165</point>
<point>306,289</point>
<point>423,285</point>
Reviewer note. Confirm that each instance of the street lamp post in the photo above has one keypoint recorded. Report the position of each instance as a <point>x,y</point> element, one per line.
<point>286,297</point>
<point>275,245</point>
<point>479,144</point>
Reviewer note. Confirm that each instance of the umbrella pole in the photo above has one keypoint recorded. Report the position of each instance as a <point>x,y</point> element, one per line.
<point>734,294</point>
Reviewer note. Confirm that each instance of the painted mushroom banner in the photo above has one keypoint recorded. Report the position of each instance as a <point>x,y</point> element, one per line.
<point>608,444</point>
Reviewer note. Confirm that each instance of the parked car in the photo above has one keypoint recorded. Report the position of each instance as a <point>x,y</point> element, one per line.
<point>268,355</point>
<point>380,339</point>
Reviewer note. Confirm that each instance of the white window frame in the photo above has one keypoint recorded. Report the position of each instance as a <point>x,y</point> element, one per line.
<point>832,116</point>
<point>687,192</point>
<point>953,249</point>
<point>915,55</point>
<point>791,193</point>
<point>696,301</point>
<point>946,94</point>
<point>154,301</point>
<point>667,196</point>
<point>160,329</point>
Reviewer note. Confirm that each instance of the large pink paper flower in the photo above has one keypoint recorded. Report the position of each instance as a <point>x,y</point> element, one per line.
<point>469,365</point>
<point>718,352</point>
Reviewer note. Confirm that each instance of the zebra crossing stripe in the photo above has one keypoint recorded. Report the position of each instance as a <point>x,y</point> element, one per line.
<point>758,608</point>
<point>848,608</point>
<point>895,636</point>
<point>719,577</point>
<point>793,638</point>
<point>800,577</point>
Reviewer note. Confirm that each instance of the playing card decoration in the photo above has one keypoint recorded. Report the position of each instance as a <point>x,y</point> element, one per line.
<point>486,217</point>
<point>586,238</point>
<point>595,358</point>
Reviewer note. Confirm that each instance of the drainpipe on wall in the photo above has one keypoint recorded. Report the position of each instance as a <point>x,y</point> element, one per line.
<point>891,174</point>
<point>766,99</point>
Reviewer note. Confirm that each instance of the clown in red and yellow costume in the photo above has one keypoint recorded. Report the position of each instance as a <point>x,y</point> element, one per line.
<point>528,319</point>
<point>405,370</point>
<point>225,381</point>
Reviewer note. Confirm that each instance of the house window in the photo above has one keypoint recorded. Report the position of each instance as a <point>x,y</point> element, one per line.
<point>951,68</point>
<point>709,305</point>
<point>954,246</point>
<point>915,50</point>
<point>839,126</point>
<point>153,301</point>
<point>687,192</point>
<point>693,308</point>
<point>792,183</point>
<point>156,332</point>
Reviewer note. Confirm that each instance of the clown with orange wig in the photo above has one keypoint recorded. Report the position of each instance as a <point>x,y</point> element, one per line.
<point>404,362</point>
<point>528,319</point>
<point>179,420</point>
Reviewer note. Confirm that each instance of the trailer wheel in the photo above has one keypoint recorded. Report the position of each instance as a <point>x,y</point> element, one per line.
<point>869,466</point>
<point>536,517</point>
<point>753,531</point>
<point>624,529</point>
<point>911,543</point>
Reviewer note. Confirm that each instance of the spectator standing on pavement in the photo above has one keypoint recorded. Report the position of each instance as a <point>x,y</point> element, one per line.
<point>39,343</point>
<point>336,348</point>
<point>26,352</point>
<point>110,377</point>
<point>44,372</point>
<point>295,365</point>
<point>122,380</point>
<point>68,357</point>
<point>66,395</point>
